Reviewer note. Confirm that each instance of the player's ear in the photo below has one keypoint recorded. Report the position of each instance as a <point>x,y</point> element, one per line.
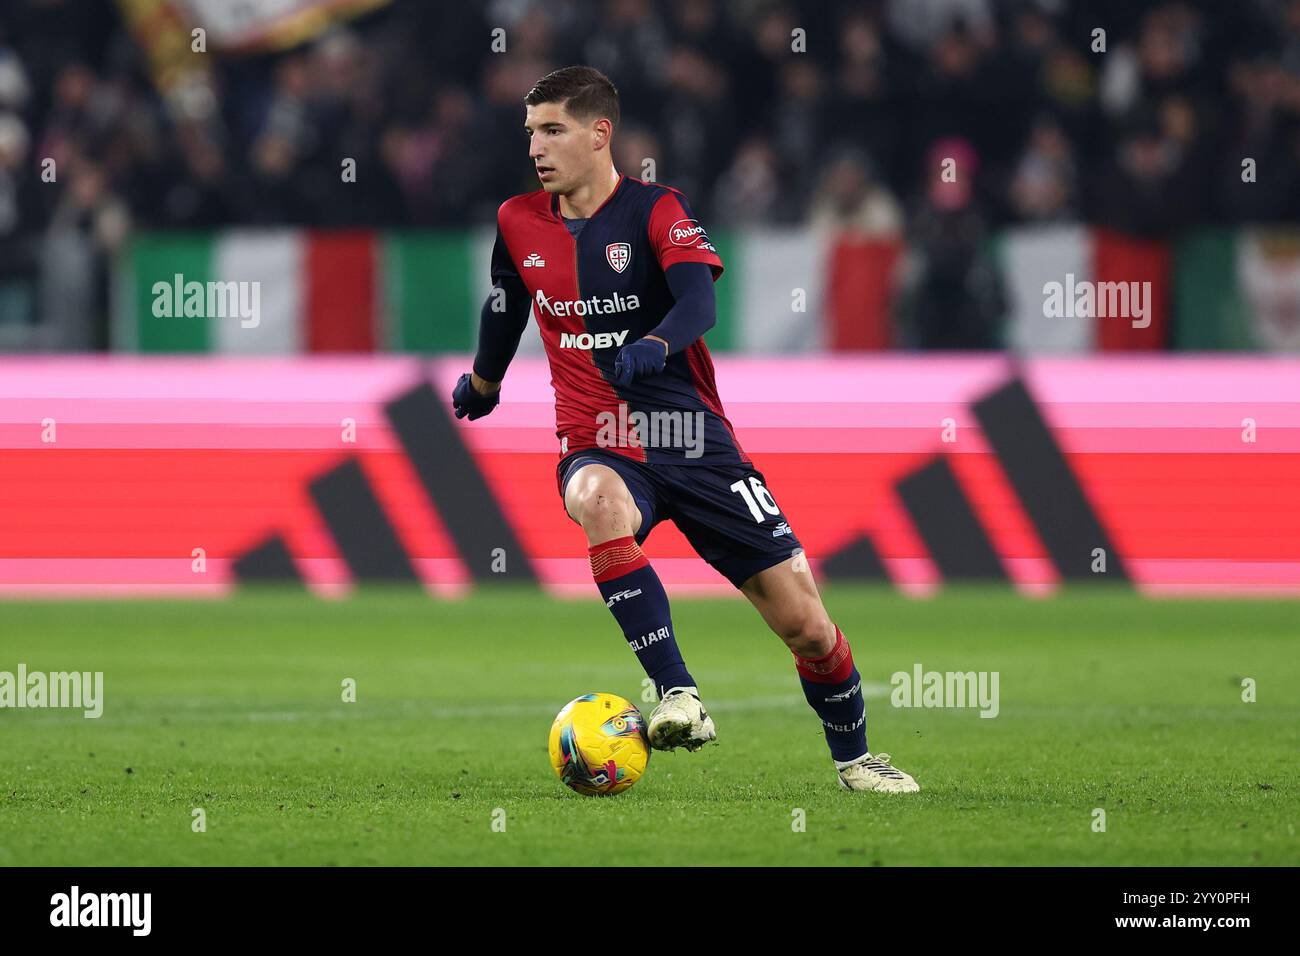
<point>601,131</point>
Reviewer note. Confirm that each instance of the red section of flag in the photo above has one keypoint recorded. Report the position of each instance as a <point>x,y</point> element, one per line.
<point>1120,258</point>
<point>860,292</point>
<point>340,299</point>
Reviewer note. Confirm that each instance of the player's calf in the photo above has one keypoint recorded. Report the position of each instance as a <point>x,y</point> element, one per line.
<point>599,500</point>
<point>833,688</point>
<point>787,598</point>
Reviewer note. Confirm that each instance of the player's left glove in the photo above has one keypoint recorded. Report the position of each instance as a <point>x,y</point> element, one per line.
<point>643,357</point>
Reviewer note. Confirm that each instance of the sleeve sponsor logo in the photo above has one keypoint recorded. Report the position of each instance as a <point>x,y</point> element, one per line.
<point>688,232</point>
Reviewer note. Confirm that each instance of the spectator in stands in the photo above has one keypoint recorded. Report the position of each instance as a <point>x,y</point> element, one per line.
<point>1261,131</point>
<point>1147,138</point>
<point>1044,187</point>
<point>638,152</point>
<point>749,192</point>
<point>851,198</point>
<point>955,294</point>
<point>1149,186</point>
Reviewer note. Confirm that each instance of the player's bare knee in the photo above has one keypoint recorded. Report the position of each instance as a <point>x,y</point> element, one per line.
<point>605,508</point>
<point>809,632</point>
<point>605,513</point>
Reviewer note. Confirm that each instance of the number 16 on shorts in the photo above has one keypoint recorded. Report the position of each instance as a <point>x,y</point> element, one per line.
<point>756,496</point>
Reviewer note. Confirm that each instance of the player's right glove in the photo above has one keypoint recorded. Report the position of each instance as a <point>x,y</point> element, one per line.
<point>643,357</point>
<point>468,400</point>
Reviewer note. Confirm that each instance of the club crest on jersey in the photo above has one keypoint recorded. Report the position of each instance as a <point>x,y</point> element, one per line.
<point>618,254</point>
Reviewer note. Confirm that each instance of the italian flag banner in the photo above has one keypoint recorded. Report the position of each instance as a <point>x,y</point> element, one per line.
<point>791,291</point>
<point>1072,288</point>
<point>261,292</point>
<point>783,291</point>
<point>313,292</point>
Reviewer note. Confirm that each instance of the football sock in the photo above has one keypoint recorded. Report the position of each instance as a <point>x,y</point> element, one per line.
<point>634,594</point>
<point>833,688</point>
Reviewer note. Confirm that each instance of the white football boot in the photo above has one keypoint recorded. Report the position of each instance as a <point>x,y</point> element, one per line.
<point>875,773</point>
<point>680,720</point>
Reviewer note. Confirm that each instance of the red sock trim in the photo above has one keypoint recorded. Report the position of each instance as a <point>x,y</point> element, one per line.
<point>834,668</point>
<point>613,559</point>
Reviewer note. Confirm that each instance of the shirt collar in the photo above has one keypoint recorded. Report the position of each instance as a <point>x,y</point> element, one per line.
<point>618,186</point>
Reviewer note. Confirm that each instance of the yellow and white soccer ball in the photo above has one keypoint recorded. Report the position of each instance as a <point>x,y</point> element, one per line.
<point>599,744</point>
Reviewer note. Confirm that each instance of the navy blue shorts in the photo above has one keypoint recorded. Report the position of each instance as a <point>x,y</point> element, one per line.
<point>725,511</point>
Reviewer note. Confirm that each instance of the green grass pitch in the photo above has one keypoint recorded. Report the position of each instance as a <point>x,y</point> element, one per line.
<point>1107,701</point>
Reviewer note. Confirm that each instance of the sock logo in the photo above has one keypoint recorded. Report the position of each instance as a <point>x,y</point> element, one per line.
<point>641,643</point>
<point>621,595</point>
<point>846,695</point>
<point>847,728</point>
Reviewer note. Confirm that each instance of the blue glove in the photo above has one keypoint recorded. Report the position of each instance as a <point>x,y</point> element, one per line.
<point>643,357</point>
<point>468,400</point>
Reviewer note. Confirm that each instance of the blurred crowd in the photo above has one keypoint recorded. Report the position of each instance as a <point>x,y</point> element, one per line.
<point>1144,128</point>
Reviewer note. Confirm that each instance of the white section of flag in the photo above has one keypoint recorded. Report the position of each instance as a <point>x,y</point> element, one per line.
<point>774,263</point>
<point>275,260</point>
<point>1034,256</point>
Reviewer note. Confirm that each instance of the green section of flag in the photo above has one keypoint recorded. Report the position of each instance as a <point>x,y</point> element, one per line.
<point>429,282</point>
<point>1209,311</point>
<point>727,292</point>
<point>156,259</point>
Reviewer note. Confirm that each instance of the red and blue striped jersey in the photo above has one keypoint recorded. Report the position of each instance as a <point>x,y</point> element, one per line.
<point>603,289</point>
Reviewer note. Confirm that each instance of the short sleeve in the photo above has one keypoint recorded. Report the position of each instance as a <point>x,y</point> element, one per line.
<point>677,236</point>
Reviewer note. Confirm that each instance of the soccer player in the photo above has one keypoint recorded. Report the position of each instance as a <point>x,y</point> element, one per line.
<point>619,276</point>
